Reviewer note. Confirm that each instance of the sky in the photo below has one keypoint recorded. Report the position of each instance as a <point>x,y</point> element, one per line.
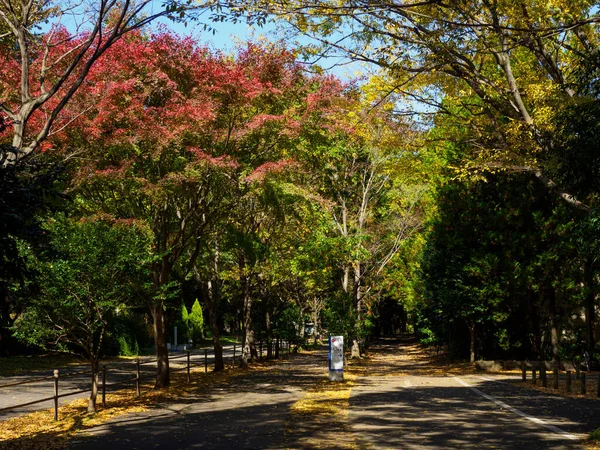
<point>227,34</point>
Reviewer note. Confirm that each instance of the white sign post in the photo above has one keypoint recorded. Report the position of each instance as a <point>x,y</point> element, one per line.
<point>336,358</point>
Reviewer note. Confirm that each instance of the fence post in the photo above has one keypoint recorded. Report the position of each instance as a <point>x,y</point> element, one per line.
<point>568,381</point>
<point>533,376</point>
<point>555,379</point>
<point>582,384</point>
<point>104,385</point>
<point>138,388</point>
<point>205,360</point>
<point>261,348</point>
<point>234,356</point>
<point>56,395</point>
<point>188,366</point>
<point>289,348</point>
<point>524,372</point>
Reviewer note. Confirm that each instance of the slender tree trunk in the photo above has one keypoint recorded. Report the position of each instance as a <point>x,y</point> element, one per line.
<point>214,327</point>
<point>94,391</point>
<point>554,337</point>
<point>471,325</point>
<point>590,305</point>
<point>356,350</point>
<point>248,337</point>
<point>315,319</point>
<point>160,342</point>
<point>269,338</point>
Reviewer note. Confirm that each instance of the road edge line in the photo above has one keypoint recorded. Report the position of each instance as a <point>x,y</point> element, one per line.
<point>518,411</point>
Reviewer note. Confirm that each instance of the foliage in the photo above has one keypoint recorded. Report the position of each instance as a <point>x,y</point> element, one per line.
<point>196,322</point>
<point>92,270</point>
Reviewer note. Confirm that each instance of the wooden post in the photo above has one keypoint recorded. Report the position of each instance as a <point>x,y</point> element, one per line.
<point>524,373</point>
<point>138,387</point>
<point>598,390</point>
<point>533,376</point>
<point>261,348</point>
<point>568,381</point>
<point>289,348</point>
<point>56,395</point>
<point>555,378</point>
<point>205,360</point>
<point>582,384</point>
<point>104,385</point>
<point>234,356</point>
<point>188,366</point>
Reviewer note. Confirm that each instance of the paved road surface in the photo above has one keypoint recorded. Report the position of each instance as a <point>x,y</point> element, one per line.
<point>427,412</point>
<point>403,408</point>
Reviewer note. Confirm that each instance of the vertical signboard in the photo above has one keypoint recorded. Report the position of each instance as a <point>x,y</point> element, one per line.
<point>336,358</point>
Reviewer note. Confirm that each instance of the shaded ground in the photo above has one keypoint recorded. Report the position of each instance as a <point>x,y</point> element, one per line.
<point>414,400</point>
<point>399,397</point>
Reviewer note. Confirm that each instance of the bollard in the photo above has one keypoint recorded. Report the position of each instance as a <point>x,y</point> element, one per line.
<point>555,379</point>
<point>569,381</point>
<point>582,384</point>
<point>533,376</point>
<point>234,356</point>
<point>56,395</point>
<point>104,385</point>
<point>138,388</point>
<point>205,360</point>
<point>524,373</point>
<point>188,366</point>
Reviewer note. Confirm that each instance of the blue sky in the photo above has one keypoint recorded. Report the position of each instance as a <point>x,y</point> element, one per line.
<point>227,34</point>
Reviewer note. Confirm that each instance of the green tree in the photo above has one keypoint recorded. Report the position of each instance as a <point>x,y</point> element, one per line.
<point>94,268</point>
<point>196,322</point>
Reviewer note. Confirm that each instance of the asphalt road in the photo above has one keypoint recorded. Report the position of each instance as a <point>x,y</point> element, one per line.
<point>119,375</point>
<point>429,412</point>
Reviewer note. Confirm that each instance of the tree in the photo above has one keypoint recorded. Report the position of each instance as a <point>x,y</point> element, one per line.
<point>94,268</point>
<point>49,68</point>
<point>219,123</point>
<point>196,322</point>
<point>506,67</point>
<point>184,328</point>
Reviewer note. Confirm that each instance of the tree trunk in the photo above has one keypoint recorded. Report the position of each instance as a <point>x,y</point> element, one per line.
<point>248,337</point>
<point>590,306</point>
<point>214,327</point>
<point>471,325</point>
<point>356,347</point>
<point>94,391</point>
<point>554,337</point>
<point>269,338</point>
<point>160,342</point>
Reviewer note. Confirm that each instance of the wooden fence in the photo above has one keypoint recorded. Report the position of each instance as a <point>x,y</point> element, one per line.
<point>136,380</point>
